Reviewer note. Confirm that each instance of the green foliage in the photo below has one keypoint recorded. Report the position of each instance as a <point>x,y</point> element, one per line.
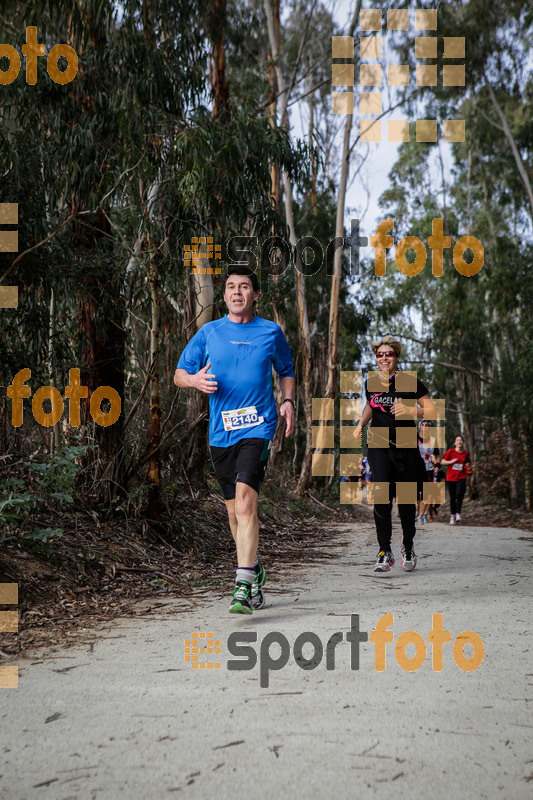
<point>471,335</point>
<point>117,171</point>
<point>45,485</point>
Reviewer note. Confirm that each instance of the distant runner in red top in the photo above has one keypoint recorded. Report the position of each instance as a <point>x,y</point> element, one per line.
<point>457,459</point>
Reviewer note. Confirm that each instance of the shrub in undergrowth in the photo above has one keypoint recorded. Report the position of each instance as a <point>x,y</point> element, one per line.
<point>495,467</point>
<point>41,485</point>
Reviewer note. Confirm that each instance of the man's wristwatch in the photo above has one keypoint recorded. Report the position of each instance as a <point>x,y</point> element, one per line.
<point>289,400</point>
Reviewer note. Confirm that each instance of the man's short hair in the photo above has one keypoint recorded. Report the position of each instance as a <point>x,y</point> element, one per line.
<point>241,270</point>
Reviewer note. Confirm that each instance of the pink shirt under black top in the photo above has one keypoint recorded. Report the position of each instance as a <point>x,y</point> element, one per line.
<point>457,470</point>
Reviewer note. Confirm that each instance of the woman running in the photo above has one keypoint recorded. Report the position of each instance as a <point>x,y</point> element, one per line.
<point>384,404</point>
<point>429,454</point>
<point>457,459</point>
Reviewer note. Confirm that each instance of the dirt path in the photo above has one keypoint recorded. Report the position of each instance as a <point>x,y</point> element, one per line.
<point>121,714</point>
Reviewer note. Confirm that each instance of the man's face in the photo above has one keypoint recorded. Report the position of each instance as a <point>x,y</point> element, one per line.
<point>239,295</point>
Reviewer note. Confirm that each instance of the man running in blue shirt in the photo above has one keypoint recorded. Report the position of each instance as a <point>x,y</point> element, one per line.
<point>231,360</point>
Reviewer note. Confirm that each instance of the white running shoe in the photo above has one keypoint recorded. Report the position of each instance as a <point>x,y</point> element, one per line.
<point>458,518</point>
<point>421,521</point>
<point>408,560</point>
<point>452,519</point>
<point>385,561</point>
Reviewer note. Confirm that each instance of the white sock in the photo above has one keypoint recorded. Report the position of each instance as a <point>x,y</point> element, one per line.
<point>245,574</point>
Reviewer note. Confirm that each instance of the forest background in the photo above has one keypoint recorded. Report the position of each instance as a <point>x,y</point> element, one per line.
<point>183,122</point>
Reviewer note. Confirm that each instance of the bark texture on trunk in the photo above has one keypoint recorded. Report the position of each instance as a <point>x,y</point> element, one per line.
<point>102,359</point>
<point>218,60</point>
<point>333,329</point>
<point>100,315</point>
<point>55,432</point>
<point>303,319</point>
<point>154,467</point>
<point>527,449</point>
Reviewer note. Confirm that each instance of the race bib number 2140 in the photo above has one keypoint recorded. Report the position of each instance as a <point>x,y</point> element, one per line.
<point>239,418</point>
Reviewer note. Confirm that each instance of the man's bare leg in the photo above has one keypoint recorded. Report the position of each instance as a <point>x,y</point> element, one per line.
<point>244,524</point>
<point>247,538</point>
<point>232,518</point>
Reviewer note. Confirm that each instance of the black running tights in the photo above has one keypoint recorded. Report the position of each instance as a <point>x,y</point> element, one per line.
<point>400,465</point>
<point>457,492</point>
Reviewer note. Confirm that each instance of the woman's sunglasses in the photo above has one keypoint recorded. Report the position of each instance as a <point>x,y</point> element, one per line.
<point>386,354</point>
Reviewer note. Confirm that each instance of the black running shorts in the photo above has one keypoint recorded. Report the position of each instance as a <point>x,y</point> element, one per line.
<point>243,462</point>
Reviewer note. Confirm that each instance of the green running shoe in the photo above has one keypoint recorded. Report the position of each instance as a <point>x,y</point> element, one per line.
<point>258,596</point>
<point>241,598</point>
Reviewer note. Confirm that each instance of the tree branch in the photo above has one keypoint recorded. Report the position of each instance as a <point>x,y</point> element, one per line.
<point>454,366</point>
<point>35,246</point>
<point>509,136</point>
<point>136,404</point>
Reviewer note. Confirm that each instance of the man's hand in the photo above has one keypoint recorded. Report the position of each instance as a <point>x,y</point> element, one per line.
<point>287,411</point>
<point>202,381</point>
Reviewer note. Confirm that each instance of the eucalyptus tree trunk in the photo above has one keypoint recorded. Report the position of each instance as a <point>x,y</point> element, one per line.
<point>333,330</point>
<point>311,135</point>
<point>275,172</point>
<point>102,358</point>
<point>501,343</point>
<point>275,176</point>
<point>154,466</point>
<point>204,292</point>
<point>303,319</point>
<point>521,167</point>
<point>527,449</point>
<point>305,347</point>
<point>203,289</point>
<point>100,310</point>
<point>55,432</point>
<point>100,307</point>
<point>219,82</point>
<point>278,309</point>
